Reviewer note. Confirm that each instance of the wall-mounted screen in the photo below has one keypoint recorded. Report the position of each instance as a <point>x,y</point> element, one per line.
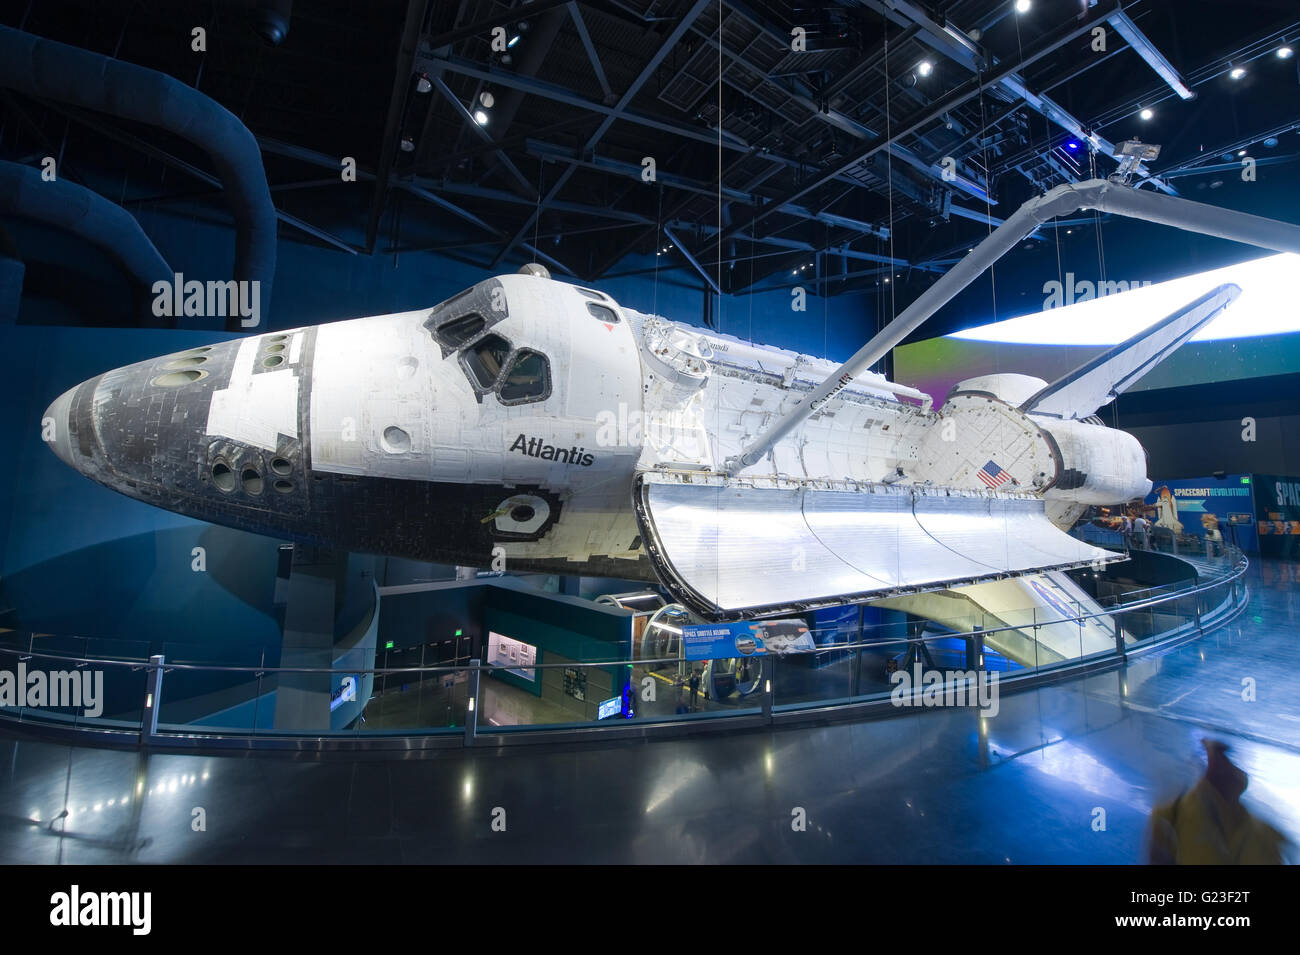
<point>1081,316</point>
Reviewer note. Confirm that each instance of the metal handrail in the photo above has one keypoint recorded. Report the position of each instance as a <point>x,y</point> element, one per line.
<point>1239,568</point>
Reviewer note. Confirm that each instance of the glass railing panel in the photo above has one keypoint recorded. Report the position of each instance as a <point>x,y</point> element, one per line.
<point>363,692</point>
<point>429,700</point>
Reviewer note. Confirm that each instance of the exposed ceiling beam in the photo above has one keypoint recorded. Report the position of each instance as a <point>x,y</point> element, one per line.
<point>468,118</point>
<point>92,121</point>
<point>961,49</point>
<point>647,71</point>
<point>560,94</point>
<point>437,200</point>
<point>393,122</point>
<point>1048,44</point>
<point>484,26</point>
<point>632,171</point>
<point>593,57</point>
<point>1144,48</point>
<point>692,260</point>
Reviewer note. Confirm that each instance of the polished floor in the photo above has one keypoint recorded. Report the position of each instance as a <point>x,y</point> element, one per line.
<point>1062,774</point>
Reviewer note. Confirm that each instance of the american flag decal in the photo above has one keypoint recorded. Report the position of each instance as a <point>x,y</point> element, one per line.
<point>992,475</point>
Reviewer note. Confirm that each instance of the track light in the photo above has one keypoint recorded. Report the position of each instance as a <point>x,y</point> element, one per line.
<point>1284,52</point>
<point>423,85</point>
<point>924,68</point>
<point>1022,6</point>
<point>513,40</point>
<point>1146,113</point>
<point>486,99</point>
<point>408,144</point>
<point>480,117</point>
<point>272,20</point>
<point>1237,72</point>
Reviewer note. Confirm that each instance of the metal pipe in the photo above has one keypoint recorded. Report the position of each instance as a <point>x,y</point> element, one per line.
<point>88,215</point>
<point>1097,194</point>
<point>37,67</point>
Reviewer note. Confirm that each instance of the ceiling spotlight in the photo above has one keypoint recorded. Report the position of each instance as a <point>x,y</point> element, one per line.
<point>423,85</point>
<point>1146,114</point>
<point>1072,144</point>
<point>513,40</point>
<point>480,117</point>
<point>272,20</point>
<point>1022,6</point>
<point>486,99</point>
<point>1271,142</point>
<point>1241,152</point>
<point>1284,52</point>
<point>925,68</point>
<point>1237,72</point>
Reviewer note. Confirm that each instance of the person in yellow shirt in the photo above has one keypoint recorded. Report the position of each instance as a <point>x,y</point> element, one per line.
<point>1208,825</point>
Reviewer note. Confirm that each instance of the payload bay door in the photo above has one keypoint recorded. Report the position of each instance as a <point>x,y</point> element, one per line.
<point>730,550</point>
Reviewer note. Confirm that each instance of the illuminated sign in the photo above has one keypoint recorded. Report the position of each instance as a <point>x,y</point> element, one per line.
<point>611,707</point>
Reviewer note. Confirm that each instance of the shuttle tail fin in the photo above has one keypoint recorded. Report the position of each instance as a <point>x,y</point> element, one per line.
<point>1096,383</point>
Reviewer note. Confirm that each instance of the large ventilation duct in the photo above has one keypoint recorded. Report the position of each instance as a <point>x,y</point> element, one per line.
<point>25,195</point>
<point>45,68</point>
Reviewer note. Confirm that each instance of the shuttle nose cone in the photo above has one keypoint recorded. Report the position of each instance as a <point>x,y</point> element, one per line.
<point>55,429</point>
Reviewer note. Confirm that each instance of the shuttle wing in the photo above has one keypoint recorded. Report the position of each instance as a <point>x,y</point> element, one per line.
<point>729,550</point>
<point>1084,390</point>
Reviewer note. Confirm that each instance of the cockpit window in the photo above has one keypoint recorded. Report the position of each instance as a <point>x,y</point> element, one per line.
<point>602,312</point>
<point>529,378</point>
<point>485,359</point>
<point>457,331</point>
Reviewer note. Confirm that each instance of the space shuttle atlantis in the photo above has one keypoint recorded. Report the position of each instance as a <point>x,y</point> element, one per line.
<point>535,425</point>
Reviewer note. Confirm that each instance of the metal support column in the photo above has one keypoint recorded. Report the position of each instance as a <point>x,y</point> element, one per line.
<point>471,703</point>
<point>152,700</point>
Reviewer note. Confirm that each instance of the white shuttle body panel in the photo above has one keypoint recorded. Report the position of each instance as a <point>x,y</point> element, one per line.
<point>530,424</point>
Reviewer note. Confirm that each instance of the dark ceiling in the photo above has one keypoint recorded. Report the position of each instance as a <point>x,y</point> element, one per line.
<point>832,158</point>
